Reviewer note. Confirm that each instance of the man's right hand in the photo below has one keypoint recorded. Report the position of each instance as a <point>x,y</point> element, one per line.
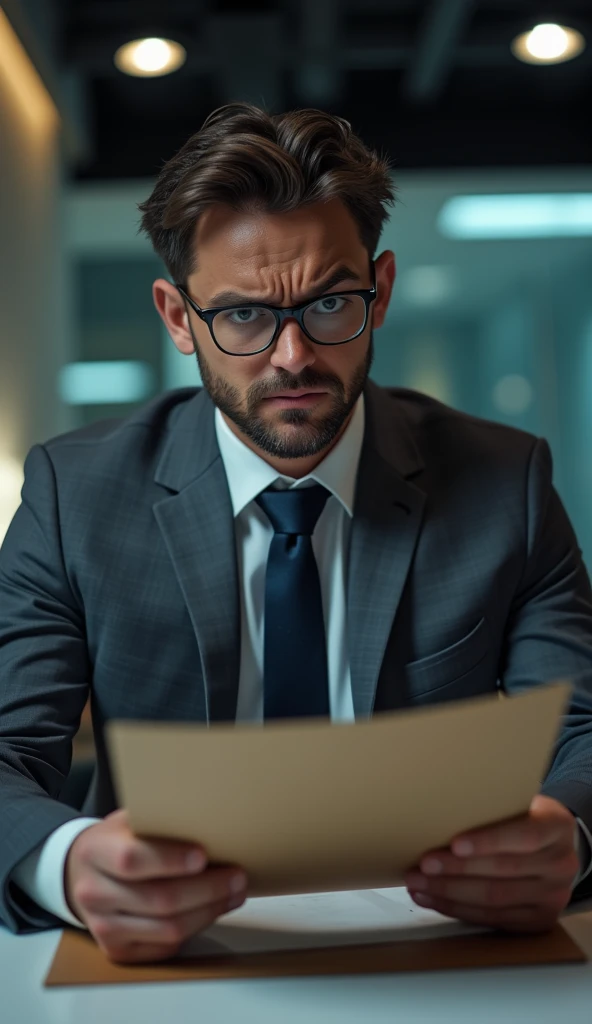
<point>142,898</point>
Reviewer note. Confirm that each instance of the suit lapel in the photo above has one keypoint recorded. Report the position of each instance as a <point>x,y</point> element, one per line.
<point>197,525</point>
<point>388,512</point>
<point>198,529</point>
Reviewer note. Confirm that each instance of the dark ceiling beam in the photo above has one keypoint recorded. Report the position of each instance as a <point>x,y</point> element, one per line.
<point>379,6</point>
<point>245,53</point>
<point>374,58</point>
<point>136,11</point>
<point>318,76</point>
<point>96,59</point>
<point>250,37</point>
<point>440,34</point>
<point>392,58</point>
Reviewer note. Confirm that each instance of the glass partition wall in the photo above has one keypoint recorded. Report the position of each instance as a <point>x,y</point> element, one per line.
<point>497,323</point>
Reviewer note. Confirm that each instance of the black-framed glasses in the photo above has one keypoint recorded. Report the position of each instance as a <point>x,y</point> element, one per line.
<point>246,330</point>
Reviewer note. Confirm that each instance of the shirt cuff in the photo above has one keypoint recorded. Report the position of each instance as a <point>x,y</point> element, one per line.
<point>585,853</point>
<point>41,874</point>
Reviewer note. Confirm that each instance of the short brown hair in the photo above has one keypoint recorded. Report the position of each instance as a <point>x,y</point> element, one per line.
<point>249,159</point>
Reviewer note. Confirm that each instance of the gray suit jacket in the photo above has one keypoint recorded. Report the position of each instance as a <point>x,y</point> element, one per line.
<point>118,575</point>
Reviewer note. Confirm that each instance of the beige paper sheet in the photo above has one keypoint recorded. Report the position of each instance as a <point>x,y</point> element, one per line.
<point>308,806</point>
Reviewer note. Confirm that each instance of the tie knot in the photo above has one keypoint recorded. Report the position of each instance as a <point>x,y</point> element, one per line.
<point>295,511</point>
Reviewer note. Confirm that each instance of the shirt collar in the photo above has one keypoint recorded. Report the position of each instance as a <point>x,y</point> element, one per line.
<point>248,474</point>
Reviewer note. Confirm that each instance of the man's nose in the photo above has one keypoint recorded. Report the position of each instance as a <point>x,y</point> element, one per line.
<point>292,351</point>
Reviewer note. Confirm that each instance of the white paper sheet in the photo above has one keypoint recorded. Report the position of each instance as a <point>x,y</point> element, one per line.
<point>319,920</point>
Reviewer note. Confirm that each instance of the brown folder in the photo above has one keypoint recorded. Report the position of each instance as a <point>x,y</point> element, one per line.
<point>313,807</point>
<point>79,961</point>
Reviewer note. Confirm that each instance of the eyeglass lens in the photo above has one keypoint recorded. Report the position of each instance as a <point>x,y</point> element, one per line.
<point>330,320</point>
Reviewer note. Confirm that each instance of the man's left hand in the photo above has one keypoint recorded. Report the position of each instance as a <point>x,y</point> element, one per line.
<point>516,875</point>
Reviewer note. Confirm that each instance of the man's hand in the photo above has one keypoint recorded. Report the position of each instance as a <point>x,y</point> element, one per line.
<point>142,898</point>
<point>516,875</point>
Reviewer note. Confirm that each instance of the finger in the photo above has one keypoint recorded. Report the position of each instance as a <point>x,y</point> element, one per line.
<point>138,953</point>
<point>518,835</point>
<point>131,939</point>
<point>514,919</point>
<point>495,892</point>
<point>122,855</point>
<point>160,898</point>
<point>503,865</point>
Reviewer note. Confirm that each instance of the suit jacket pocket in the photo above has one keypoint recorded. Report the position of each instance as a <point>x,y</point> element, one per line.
<point>450,669</point>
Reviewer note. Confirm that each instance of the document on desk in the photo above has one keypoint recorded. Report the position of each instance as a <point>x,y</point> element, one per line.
<point>371,931</point>
<point>271,924</point>
<point>309,806</point>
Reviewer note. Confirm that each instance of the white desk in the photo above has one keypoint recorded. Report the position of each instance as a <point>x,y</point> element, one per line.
<point>530,995</point>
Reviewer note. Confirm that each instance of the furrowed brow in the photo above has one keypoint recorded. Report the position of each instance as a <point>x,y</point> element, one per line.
<point>230,298</point>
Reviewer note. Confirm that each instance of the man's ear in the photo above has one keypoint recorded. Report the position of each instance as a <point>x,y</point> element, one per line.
<point>171,307</point>
<point>386,271</point>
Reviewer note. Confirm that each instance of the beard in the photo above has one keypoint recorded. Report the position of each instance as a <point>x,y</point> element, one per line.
<point>307,436</point>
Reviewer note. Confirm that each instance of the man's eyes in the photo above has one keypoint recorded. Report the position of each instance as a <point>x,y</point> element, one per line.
<point>326,304</point>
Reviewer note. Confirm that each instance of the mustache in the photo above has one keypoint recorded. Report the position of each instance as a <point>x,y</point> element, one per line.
<point>284,381</point>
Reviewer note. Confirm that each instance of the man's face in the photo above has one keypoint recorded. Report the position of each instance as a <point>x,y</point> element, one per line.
<point>292,400</point>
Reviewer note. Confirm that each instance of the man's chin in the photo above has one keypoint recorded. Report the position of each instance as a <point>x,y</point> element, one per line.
<point>309,423</point>
<point>294,419</point>
<point>287,434</point>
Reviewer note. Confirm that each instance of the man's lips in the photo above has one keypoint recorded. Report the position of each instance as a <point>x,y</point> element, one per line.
<point>303,399</point>
<point>298,394</point>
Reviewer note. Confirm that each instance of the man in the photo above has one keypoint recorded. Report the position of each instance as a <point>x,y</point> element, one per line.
<point>291,540</point>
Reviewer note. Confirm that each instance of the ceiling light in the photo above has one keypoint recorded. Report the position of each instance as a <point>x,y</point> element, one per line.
<point>148,58</point>
<point>548,44</point>
<point>539,215</point>
<point>107,382</point>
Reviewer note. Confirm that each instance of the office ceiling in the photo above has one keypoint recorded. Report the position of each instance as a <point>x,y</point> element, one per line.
<point>433,83</point>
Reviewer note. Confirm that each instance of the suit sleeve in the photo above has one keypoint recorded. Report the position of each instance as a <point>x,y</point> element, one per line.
<point>44,683</point>
<point>549,636</point>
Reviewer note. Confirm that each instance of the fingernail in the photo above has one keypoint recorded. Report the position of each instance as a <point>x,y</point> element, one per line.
<point>417,882</point>
<point>195,861</point>
<point>431,866</point>
<point>463,847</point>
<point>420,897</point>
<point>238,882</point>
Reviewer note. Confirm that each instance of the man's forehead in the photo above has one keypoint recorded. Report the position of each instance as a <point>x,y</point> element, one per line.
<point>260,252</point>
<point>245,234</point>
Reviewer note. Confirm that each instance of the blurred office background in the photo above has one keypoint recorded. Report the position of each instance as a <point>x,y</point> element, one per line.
<point>492,155</point>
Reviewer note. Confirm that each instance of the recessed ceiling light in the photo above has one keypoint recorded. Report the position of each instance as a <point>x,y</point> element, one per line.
<point>148,58</point>
<point>548,44</point>
<point>538,215</point>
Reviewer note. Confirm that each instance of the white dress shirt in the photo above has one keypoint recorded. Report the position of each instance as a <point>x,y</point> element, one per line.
<point>40,874</point>
<point>248,475</point>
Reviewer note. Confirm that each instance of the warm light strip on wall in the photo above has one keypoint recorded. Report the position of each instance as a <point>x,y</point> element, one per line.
<point>11,481</point>
<point>539,215</point>
<point>105,382</point>
<point>19,75</point>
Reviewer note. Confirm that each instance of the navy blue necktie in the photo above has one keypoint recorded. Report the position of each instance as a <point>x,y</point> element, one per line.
<point>295,681</point>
